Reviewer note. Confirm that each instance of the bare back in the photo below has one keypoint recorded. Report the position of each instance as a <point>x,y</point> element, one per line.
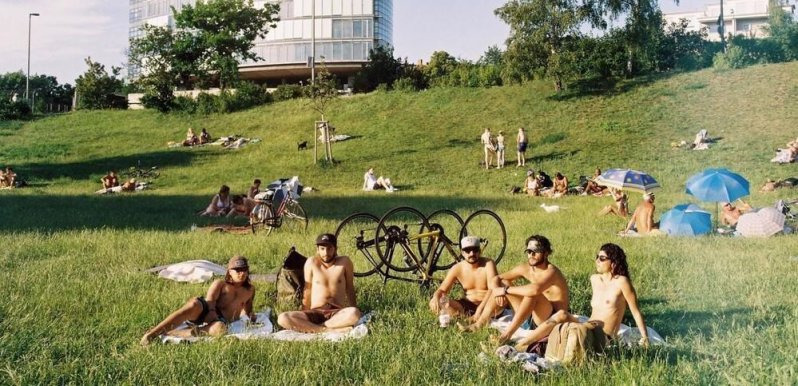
<point>644,217</point>
<point>333,284</point>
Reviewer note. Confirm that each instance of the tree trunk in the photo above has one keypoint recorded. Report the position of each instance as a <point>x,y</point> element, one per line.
<point>629,63</point>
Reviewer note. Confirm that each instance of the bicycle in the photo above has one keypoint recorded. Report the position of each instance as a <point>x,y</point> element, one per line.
<point>405,241</point>
<point>140,173</point>
<point>288,214</point>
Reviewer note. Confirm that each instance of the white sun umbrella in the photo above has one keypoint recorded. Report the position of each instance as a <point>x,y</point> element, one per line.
<point>763,223</point>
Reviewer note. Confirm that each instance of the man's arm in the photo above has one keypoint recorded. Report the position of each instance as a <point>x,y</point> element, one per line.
<point>308,273</point>
<point>632,220</point>
<point>510,276</point>
<point>533,289</point>
<point>248,307</point>
<point>444,288</point>
<point>349,277</point>
<point>213,293</point>
<point>631,299</point>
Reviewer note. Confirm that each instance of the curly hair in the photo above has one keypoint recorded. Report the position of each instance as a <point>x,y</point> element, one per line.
<point>617,259</point>
<point>542,241</point>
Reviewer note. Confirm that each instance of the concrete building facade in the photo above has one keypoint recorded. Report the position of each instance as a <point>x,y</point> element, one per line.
<point>740,17</point>
<point>345,31</point>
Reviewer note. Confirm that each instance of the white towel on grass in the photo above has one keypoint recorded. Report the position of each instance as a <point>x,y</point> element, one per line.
<point>192,271</point>
<point>627,335</point>
<point>264,329</point>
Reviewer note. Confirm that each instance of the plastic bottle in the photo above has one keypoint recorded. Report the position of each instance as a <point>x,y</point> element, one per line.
<point>443,311</point>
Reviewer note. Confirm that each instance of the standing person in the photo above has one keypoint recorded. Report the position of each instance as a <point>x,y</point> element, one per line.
<point>220,204</point>
<point>110,180</point>
<point>487,145</point>
<point>612,293</point>
<point>500,150</point>
<point>211,315</point>
<point>474,273</point>
<point>546,294</point>
<point>522,143</point>
<point>254,189</point>
<point>642,220</point>
<point>328,301</point>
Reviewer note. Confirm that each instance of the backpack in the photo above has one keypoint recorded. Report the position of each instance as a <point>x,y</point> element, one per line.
<point>572,342</point>
<point>291,279</point>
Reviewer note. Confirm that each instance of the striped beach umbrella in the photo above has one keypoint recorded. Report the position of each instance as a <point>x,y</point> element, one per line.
<point>762,223</point>
<point>628,179</point>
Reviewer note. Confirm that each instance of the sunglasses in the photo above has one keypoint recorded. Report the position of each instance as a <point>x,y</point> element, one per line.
<point>531,251</point>
<point>602,258</point>
<point>470,250</point>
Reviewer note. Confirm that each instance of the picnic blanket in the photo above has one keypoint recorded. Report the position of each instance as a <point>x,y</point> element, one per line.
<point>199,271</point>
<point>264,329</point>
<point>118,189</point>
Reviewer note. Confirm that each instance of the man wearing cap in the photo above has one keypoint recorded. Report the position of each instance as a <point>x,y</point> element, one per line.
<point>730,214</point>
<point>210,315</point>
<point>328,303</point>
<point>643,217</point>
<point>474,273</point>
<point>546,294</point>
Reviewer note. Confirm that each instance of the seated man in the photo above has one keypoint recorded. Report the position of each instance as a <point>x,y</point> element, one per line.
<point>475,274</point>
<point>729,214</point>
<point>593,187</point>
<point>225,301</point>
<point>328,302</point>
<point>643,218</point>
<point>254,189</point>
<point>110,180</point>
<point>612,293</point>
<point>546,294</point>
<point>371,183</point>
<point>10,177</point>
<point>205,137</point>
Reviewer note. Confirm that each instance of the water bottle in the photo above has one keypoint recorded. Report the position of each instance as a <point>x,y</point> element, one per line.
<point>443,311</point>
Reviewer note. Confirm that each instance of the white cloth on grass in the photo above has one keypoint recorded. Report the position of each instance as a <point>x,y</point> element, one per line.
<point>241,329</point>
<point>192,271</point>
<point>359,331</point>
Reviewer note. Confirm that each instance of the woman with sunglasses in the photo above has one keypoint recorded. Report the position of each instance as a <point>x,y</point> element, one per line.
<point>612,293</point>
<point>210,315</point>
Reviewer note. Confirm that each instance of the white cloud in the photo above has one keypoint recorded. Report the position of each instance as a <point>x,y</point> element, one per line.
<point>65,34</point>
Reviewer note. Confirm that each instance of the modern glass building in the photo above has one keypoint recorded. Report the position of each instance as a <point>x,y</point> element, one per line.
<point>345,31</point>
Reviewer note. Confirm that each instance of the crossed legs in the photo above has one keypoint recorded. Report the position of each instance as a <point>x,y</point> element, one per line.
<point>340,322</point>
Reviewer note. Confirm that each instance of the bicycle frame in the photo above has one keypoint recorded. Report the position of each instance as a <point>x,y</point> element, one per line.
<point>424,263</point>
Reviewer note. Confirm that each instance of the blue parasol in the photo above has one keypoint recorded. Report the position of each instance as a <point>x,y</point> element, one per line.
<point>628,179</point>
<point>686,220</point>
<point>717,185</point>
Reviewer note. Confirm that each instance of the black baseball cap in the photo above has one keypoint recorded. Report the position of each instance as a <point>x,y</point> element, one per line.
<point>326,239</point>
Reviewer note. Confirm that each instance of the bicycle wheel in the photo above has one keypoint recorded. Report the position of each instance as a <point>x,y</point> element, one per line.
<point>294,216</point>
<point>396,230</point>
<point>450,224</point>
<point>488,226</point>
<point>262,219</point>
<point>355,236</point>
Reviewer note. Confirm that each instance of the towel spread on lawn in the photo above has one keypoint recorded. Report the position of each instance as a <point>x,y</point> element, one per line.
<point>199,271</point>
<point>242,329</point>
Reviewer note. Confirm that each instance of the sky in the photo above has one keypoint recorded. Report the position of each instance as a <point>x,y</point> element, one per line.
<point>68,31</point>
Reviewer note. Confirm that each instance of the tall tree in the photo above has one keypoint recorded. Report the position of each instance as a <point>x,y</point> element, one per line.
<point>783,29</point>
<point>226,30</point>
<point>99,90</point>
<point>539,31</point>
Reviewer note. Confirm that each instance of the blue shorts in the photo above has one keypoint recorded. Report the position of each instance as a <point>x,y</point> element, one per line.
<point>522,147</point>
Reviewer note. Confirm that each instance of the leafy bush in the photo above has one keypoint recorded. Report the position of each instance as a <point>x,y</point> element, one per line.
<point>185,104</point>
<point>206,103</point>
<point>382,87</point>
<point>735,57</point>
<point>285,92</point>
<point>14,110</point>
<point>404,85</point>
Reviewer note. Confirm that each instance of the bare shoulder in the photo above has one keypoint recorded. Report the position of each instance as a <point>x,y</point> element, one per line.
<point>344,260</point>
<point>312,262</point>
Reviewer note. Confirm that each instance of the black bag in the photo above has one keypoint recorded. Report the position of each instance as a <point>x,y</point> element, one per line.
<point>291,279</point>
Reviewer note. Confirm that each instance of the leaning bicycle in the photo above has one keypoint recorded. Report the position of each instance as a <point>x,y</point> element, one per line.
<point>279,207</point>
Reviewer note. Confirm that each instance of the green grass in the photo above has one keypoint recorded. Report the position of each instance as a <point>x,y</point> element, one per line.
<point>75,300</point>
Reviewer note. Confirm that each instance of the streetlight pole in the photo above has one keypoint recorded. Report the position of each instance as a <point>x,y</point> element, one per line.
<point>27,77</point>
<point>313,44</point>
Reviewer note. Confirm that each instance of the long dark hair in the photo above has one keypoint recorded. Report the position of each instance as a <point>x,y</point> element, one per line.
<point>617,259</point>
<point>229,280</point>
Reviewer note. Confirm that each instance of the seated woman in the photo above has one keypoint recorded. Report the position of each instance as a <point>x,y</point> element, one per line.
<point>191,138</point>
<point>560,187</point>
<point>242,206</point>
<point>621,206</point>
<point>10,177</point>
<point>3,179</point>
<point>210,315</point>
<point>531,184</point>
<point>220,204</point>
<point>204,137</point>
<point>371,183</point>
<point>612,293</point>
<point>593,187</point>
<point>110,180</point>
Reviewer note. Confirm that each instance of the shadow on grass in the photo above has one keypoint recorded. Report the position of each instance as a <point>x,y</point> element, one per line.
<point>147,211</point>
<point>605,86</point>
<point>552,156</point>
<point>85,169</point>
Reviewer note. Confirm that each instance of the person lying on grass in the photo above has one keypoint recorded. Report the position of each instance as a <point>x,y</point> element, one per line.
<point>474,273</point>
<point>546,294</point>
<point>241,206</point>
<point>612,293</point>
<point>328,301</point>
<point>210,315</point>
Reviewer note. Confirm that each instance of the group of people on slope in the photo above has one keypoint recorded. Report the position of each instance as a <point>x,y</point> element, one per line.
<point>494,148</point>
<point>110,183</point>
<point>8,178</point>
<point>329,301</point>
<point>545,300</point>
<point>224,204</point>
<point>540,184</point>
<point>192,139</point>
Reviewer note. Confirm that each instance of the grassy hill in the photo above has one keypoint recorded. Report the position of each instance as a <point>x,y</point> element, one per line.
<point>76,300</point>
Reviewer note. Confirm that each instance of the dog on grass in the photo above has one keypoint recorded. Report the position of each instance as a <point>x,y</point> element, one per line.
<point>302,145</point>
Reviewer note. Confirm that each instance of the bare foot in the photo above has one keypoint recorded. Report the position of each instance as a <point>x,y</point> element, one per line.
<point>147,339</point>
